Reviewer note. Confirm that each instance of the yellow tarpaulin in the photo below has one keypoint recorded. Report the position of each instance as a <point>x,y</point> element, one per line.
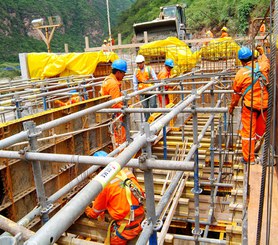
<point>173,48</point>
<point>220,48</point>
<point>47,65</point>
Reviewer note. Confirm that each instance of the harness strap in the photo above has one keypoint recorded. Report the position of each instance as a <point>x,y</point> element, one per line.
<point>256,78</point>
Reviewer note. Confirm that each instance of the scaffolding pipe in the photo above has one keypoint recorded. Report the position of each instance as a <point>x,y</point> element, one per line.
<point>187,92</point>
<point>36,166</point>
<point>211,178</point>
<point>200,239</point>
<point>100,161</point>
<point>23,135</point>
<point>51,231</point>
<point>163,110</point>
<point>143,238</point>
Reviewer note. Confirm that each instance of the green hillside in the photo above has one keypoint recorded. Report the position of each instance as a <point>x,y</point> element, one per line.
<point>80,18</point>
<point>200,14</point>
<point>89,18</point>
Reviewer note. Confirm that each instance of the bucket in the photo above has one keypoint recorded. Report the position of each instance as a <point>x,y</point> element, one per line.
<point>7,240</point>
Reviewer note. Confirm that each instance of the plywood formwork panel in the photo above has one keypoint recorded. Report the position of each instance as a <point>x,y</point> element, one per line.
<point>17,182</point>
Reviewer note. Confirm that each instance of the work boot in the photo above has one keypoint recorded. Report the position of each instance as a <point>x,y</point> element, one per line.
<point>241,160</point>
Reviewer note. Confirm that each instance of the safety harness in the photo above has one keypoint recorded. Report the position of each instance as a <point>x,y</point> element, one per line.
<point>131,189</point>
<point>257,75</point>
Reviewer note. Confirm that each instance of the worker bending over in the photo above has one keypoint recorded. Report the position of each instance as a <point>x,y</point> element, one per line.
<point>224,32</point>
<point>112,86</point>
<point>123,199</point>
<point>242,87</point>
<point>73,99</point>
<point>165,73</point>
<point>141,76</point>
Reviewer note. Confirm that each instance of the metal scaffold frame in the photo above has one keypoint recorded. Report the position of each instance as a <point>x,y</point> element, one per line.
<point>48,234</point>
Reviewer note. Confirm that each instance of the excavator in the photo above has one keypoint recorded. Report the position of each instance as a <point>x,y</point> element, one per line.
<point>171,22</point>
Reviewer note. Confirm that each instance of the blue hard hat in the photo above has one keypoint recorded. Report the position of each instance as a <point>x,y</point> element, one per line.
<point>100,154</point>
<point>120,65</point>
<point>169,62</point>
<point>244,53</point>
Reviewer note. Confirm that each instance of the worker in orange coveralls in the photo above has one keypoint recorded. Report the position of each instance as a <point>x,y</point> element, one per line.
<point>224,32</point>
<point>112,86</point>
<point>242,88</point>
<point>74,99</point>
<point>123,199</point>
<point>165,73</point>
<point>262,29</point>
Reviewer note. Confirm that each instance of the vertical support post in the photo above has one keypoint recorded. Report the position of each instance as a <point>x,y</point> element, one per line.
<point>145,37</point>
<point>164,128</point>
<point>196,190</point>
<point>126,117</point>
<point>212,148</point>
<point>18,107</point>
<point>182,98</point>
<point>149,186</point>
<point>43,89</point>
<point>36,166</point>
<point>66,48</point>
<point>87,45</point>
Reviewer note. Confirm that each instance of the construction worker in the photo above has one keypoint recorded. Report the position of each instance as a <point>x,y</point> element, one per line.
<point>242,87</point>
<point>123,199</point>
<point>224,32</point>
<point>165,73</point>
<point>262,29</point>
<point>105,46</point>
<point>112,86</point>
<point>73,99</point>
<point>141,76</point>
<point>209,34</point>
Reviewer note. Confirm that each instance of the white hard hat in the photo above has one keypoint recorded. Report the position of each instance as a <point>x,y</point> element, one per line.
<point>139,59</point>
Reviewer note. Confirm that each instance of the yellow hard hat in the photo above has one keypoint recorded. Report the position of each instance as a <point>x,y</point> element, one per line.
<point>224,28</point>
<point>105,41</point>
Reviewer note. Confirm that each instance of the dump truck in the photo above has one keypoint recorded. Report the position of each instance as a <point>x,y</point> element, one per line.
<point>171,22</point>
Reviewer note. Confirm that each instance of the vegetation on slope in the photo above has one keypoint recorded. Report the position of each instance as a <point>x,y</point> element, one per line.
<point>80,18</point>
<point>201,14</point>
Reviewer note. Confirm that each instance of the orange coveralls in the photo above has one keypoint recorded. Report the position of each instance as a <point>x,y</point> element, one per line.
<point>113,199</point>
<point>164,73</point>
<point>111,86</point>
<point>260,102</point>
<point>224,34</point>
<point>74,99</point>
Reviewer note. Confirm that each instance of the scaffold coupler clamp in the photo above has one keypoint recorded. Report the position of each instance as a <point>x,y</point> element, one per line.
<point>196,233</point>
<point>156,227</point>
<point>46,209</point>
<point>33,131</point>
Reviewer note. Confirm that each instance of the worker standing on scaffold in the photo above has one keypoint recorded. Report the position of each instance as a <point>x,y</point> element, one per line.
<point>112,86</point>
<point>243,88</point>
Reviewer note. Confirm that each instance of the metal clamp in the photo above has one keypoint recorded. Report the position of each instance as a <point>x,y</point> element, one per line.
<point>158,225</point>
<point>47,209</point>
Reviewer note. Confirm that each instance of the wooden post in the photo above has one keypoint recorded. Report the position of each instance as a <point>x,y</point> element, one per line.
<point>145,37</point>
<point>87,43</point>
<point>66,48</point>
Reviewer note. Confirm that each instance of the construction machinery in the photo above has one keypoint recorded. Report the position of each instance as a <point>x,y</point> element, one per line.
<point>171,22</point>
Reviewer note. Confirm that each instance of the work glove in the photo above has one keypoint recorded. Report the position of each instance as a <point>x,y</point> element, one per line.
<point>231,109</point>
<point>260,49</point>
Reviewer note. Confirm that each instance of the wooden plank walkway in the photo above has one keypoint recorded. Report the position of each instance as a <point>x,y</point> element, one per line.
<point>253,208</point>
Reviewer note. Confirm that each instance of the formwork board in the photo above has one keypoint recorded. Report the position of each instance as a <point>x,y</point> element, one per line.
<point>18,194</point>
